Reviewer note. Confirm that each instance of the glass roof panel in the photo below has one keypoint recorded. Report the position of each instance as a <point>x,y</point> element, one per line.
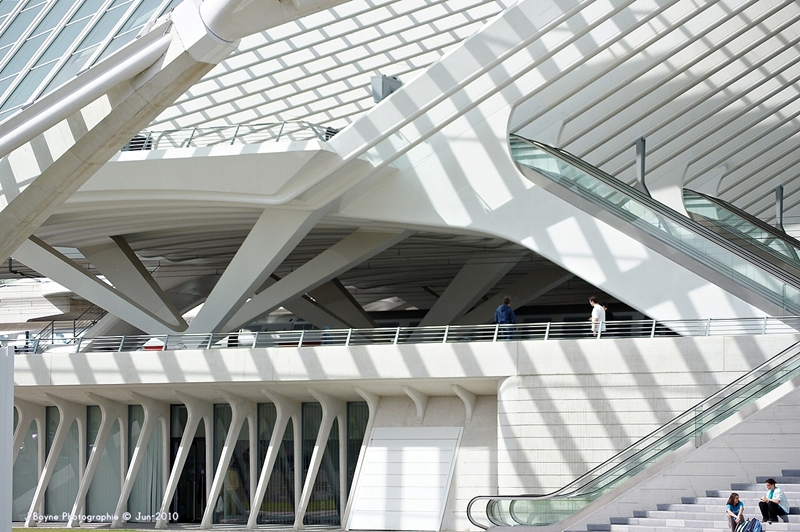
<point>24,90</point>
<point>18,26</point>
<point>101,30</point>
<point>61,44</point>
<point>53,17</point>
<point>140,15</point>
<point>23,55</point>
<point>89,8</point>
<point>71,68</point>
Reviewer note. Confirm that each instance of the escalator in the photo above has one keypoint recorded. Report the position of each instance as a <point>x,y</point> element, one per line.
<point>546,509</point>
<point>745,230</point>
<point>763,278</point>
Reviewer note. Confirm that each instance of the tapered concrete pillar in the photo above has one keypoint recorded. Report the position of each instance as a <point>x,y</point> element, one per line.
<point>474,279</point>
<point>340,257</point>
<point>274,235</point>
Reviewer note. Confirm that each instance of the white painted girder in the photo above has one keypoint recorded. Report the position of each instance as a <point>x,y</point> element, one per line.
<point>274,235</point>
<point>51,263</point>
<point>118,263</point>
<point>446,132</point>
<point>342,256</point>
<point>474,279</point>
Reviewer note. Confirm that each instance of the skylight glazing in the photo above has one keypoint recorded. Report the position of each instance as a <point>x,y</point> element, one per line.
<point>45,43</point>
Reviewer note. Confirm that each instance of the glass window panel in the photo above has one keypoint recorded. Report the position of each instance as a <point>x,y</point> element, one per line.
<point>23,55</point>
<point>18,26</point>
<point>7,6</point>
<point>101,30</point>
<point>24,90</point>
<point>53,17</point>
<point>62,43</point>
<point>117,43</point>
<point>4,84</point>
<point>140,15</point>
<point>72,67</point>
<point>26,474</point>
<point>277,507</point>
<point>89,8</point>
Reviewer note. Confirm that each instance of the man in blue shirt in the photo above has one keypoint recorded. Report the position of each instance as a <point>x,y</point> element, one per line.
<point>504,316</point>
<point>774,504</point>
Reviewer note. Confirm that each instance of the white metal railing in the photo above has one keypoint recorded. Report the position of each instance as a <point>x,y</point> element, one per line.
<point>412,335</point>
<point>197,137</point>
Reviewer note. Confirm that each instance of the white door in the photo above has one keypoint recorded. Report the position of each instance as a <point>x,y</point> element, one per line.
<point>404,479</point>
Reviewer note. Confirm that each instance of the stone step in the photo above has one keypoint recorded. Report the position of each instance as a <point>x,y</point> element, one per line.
<point>790,472</point>
<point>746,486</point>
<point>678,526</point>
<point>780,480</point>
<point>674,514</point>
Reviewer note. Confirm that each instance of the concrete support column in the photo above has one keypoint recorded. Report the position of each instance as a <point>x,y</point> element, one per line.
<point>339,258</point>
<point>68,413</point>
<point>29,412</point>
<point>153,412</point>
<point>331,410</point>
<point>286,409</point>
<point>241,410</point>
<point>119,264</point>
<point>274,235</point>
<point>196,411</point>
<point>49,262</point>
<point>474,279</point>
<point>111,412</point>
<point>372,403</point>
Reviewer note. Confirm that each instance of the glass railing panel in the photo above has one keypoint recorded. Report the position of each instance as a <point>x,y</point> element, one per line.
<point>591,184</point>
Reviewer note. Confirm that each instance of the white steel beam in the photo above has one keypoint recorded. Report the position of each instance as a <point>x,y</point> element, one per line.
<point>477,276</point>
<point>119,264</point>
<point>342,256</point>
<point>179,51</point>
<point>50,263</point>
<point>272,238</point>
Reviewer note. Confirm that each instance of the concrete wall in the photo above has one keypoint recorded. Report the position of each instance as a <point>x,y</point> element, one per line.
<point>574,404</point>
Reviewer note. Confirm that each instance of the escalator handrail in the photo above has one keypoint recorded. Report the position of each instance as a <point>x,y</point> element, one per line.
<point>667,212</point>
<point>741,385</point>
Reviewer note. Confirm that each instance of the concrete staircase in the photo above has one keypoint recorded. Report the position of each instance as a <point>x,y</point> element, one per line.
<point>706,514</point>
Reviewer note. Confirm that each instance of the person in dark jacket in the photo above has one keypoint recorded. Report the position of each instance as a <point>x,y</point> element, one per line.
<point>505,317</point>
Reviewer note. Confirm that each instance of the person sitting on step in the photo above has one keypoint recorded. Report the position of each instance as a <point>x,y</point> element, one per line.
<point>774,504</point>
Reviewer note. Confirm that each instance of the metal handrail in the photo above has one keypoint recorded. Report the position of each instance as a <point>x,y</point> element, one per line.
<point>633,459</point>
<point>198,137</point>
<point>551,331</point>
